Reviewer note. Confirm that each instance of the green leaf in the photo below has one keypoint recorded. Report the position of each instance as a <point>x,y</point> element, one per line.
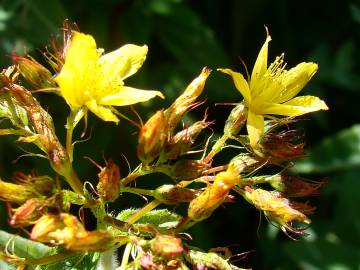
<point>86,261</point>
<point>23,247</point>
<point>335,153</point>
<point>155,217</point>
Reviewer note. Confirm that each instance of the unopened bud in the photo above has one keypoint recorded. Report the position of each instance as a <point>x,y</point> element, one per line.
<point>172,194</point>
<point>278,208</point>
<point>152,138</point>
<point>166,246</point>
<point>109,181</point>
<point>15,193</point>
<point>213,196</point>
<point>183,140</point>
<point>36,74</point>
<point>243,163</point>
<point>184,102</point>
<point>186,169</point>
<point>92,241</point>
<point>236,120</point>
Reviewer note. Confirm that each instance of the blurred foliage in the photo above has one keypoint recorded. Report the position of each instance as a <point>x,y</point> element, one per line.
<point>183,36</point>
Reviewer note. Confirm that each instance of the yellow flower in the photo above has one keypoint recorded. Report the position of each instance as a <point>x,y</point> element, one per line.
<point>271,91</point>
<point>90,79</point>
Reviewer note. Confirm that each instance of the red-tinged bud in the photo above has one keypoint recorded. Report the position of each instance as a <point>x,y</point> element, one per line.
<point>33,72</point>
<point>166,246</point>
<point>277,147</point>
<point>186,100</point>
<point>187,169</point>
<point>278,208</point>
<point>109,181</point>
<point>236,120</point>
<point>291,185</point>
<point>15,193</point>
<point>28,213</point>
<point>152,138</point>
<point>213,196</point>
<point>172,194</point>
<point>183,140</point>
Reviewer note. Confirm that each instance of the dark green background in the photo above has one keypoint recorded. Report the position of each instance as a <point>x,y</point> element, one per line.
<point>183,36</point>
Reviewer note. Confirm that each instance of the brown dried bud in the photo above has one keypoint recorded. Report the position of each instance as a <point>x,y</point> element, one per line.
<point>296,186</point>
<point>277,147</point>
<point>186,100</point>
<point>172,194</point>
<point>28,213</point>
<point>43,184</point>
<point>152,138</point>
<point>109,181</point>
<point>186,169</point>
<point>166,246</point>
<point>33,72</point>
<point>183,140</point>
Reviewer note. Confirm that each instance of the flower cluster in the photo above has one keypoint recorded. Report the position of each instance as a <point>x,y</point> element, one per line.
<point>90,80</point>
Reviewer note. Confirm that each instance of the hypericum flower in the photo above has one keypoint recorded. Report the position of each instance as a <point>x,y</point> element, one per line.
<point>271,91</point>
<point>96,81</point>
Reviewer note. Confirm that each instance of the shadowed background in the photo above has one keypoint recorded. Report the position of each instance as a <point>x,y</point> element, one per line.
<point>184,36</point>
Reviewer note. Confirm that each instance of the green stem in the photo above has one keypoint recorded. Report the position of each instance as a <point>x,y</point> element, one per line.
<point>74,181</point>
<point>216,147</point>
<point>138,191</point>
<point>72,120</point>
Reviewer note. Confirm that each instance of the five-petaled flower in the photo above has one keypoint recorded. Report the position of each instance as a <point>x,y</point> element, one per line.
<point>96,81</point>
<point>272,90</point>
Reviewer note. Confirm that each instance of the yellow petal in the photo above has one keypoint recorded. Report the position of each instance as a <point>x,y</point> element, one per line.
<point>255,127</point>
<point>240,83</point>
<point>295,79</point>
<point>102,112</point>
<point>128,95</point>
<point>296,106</point>
<point>261,62</point>
<point>123,62</point>
<point>77,72</point>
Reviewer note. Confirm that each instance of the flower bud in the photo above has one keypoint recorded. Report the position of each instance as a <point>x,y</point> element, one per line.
<point>277,147</point>
<point>33,72</point>
<point>166,246</point>
<point>109,181</point>
<point>278,208</point>
<point>172,194</point>
<point>186,169</point>
<point>236,120</point>
<point>243,163</point>
<point>152,138</point>
<point>213,196</point>
<point>93,241</point>
<point>183,140</point>
<point>186,100</point>
<point>15,193</point>
<point>28,213</point>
